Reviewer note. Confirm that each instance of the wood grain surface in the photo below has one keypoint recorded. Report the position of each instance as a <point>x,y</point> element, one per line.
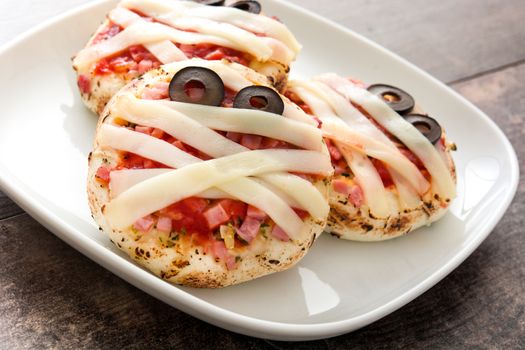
<point>51,296</point>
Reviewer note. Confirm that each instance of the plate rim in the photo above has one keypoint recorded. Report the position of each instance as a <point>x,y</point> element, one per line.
<point>219,316</point>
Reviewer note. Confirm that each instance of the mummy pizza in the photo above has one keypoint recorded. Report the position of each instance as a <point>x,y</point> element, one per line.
<point>139,35</point>
<point>393,169</point>
<point>207,176</point>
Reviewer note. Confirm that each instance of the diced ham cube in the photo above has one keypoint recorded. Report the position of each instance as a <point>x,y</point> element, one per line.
<point>249,229</point>
<point>333,150</point>
<point>144,66</point>
<point>144,224</point>
<point>251,141</point>
<point>279,233</point>
<point>84,84</point>
<point>352,190</point>
<point>164,224</point>
<point>157,133</point>
<point>216,216</point>
<point>220,251</point>
<point>103,173</point>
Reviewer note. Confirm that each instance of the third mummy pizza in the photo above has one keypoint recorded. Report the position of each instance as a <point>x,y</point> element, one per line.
<point>393,167</point>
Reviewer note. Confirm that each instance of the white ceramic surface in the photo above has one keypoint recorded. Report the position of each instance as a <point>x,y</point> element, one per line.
<point>340,286</point>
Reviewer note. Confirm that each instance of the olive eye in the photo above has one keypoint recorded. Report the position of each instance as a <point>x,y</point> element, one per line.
<point>197,85</point>
<point>261,98</point>
<point>211,2</point>
<point>399,100</point>
<point>429,127</point>
<point>248,6</point>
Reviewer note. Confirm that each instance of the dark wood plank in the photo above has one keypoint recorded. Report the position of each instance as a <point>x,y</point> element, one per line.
<point>448,38</point>
<point>8,207</point>
<point>52,296</point>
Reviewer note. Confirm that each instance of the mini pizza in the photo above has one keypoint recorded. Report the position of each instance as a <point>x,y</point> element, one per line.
<point>206,176</point>
<point>139,35</point>
<point>393,167</point>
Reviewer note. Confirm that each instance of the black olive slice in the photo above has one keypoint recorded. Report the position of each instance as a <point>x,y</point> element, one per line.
<point>197,85</point>
<point>429,127</point>
<point>211,2</point>
<point>261,98</point>
<point>248,6</point>
<point>399,100</point>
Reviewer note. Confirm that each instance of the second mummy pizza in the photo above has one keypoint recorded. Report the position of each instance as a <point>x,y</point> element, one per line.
<point>206,176</point>
<point>139,35</point>
<point>393,168</point>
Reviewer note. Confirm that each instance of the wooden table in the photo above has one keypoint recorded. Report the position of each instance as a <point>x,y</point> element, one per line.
<point>52,296</point>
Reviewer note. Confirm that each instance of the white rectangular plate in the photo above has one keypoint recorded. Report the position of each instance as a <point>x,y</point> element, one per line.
<point>340,286</point>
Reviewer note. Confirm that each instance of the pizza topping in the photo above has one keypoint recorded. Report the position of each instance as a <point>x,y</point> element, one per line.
<point>280,234</point>
<point>198,85</point>
<point>260,98</point>
<point>248,6</point>
<point>144,224</point>
<point>397,99</point>
<point>168,29</point>
<point>210,2</point>
<point>164,224</point>
<point>84,84</point>
<point>442,181</point>
<point>429,127</point>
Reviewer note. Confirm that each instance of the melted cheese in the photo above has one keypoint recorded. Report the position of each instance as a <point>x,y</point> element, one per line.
<point>341,124</point>
<point>191,23</point>
<point>400,128</point>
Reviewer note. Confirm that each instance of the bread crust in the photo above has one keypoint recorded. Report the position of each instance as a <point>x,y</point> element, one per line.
<point>179,262</point>
<point>103,87</point>
<point>346,221</point>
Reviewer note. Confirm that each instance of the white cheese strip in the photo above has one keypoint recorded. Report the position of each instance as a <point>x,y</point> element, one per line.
<point>249,121</point>
<point>359,137</point>
<point>208,141</point>
<point>399,127</point>
<point>369,180</point>
<point>407,197</point>
<point>165,51</point>
<point>160,151</point>
<point>240,164</point>
<point>239,38</point>
<point>251,22</point>
<point>142,32</point>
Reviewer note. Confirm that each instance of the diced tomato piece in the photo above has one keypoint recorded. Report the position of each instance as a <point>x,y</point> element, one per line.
<point>216,54</point>
<point>102,67</point>
<point>303,214</point>
<point>195,204</point>
<point>412,157</point>
<point>215,216</point>
<point>234,208</point>
<point>383,172</point>
<point>84,84</point>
